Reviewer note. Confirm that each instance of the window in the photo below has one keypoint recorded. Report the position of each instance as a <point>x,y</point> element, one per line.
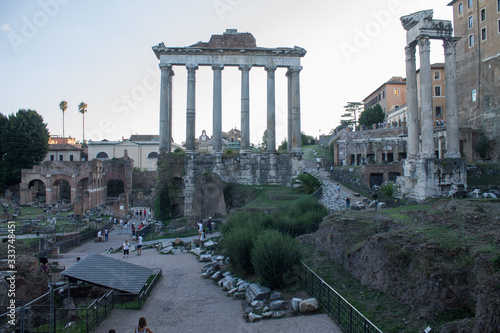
<point>437,75</point>
<point>460,8</point>
<point>499,24</point>
<point>483,34</point>
<point>474,95</point>
<point>483,14</point>
<point>61,158</point>
<point>471,21</point>
<point>469,3</point>
<point>438,112</point>
<point>153,154</point>
<point>101,155</point>
<point>383,92</point>
<point>396,92</point>
<point>437,90</point>
<point>52,157</point>
<point>471,40</point>
<point>498,6</point>
<point>71,157</point>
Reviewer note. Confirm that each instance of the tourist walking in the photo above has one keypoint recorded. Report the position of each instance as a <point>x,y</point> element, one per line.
<point>133,231</point>
<point>143,326</point>
<point>139,245</point>
<point>200,228</point>
<point>126,248</point>
<point>209,225</point>
<point>338,191</point>
<point>347,203</point>
<point>99,235</point>
<point>106,234</point>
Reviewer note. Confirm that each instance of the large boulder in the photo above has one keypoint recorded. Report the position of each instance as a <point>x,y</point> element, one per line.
<point>309,305</point>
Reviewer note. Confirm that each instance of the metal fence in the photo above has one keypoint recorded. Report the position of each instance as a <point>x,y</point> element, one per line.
<point>46,315</point>
<point>143,295</point>
<point>72,242</point>
<point>131,301</point>
<point>345,315</point>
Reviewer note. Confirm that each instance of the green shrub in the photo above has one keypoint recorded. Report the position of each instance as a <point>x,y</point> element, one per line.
<point>307,183</point>
<point>239,243</point>
<point>274,255</point>
<point>239,219</point>
<point>388,189</point>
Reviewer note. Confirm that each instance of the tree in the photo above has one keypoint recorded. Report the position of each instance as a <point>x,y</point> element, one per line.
<point>24,143</point>
<point>306,139</point>
<point>351,109</point>
<point>63,106</point>
<point>264,140</point>
<point>82,108</point>
<point>283,146</point>
<point>372,116</point>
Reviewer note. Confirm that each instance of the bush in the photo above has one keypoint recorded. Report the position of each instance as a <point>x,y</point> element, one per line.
<point>388,189</point>
<point>239,243</point>
<point>306,183</point>
<point>274,256</point>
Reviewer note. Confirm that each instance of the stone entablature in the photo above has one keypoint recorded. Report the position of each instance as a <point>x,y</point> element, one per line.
<point>220,52</point>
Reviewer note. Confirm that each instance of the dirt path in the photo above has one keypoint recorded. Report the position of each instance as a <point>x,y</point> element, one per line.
<point>183,301</point>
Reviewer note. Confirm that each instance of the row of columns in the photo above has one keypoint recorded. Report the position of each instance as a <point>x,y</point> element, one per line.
<point>294,133</point>
<point>427,123</point>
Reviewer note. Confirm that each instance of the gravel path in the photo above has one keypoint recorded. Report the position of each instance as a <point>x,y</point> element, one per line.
<point>183,301</point>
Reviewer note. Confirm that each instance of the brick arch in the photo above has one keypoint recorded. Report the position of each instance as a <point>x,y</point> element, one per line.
<point>56,193</point>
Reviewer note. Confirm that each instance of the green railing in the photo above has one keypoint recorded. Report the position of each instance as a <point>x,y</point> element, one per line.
<point>343,313</point>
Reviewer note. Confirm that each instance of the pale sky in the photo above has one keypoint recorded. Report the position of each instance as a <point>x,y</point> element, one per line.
<point>99,52</point>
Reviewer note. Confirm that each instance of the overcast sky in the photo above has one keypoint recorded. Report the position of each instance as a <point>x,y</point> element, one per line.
<point>99,52</point>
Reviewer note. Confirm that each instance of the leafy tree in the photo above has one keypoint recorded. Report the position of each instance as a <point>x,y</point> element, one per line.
<point>372,116</point>
<point>283,146</point>
<point>24,142</point>
<point>306,139</point>
<point>264,140</point>
<point>63,106</point>
<point>82,108</point>
<point>483,146</point>
<point>307,183</point>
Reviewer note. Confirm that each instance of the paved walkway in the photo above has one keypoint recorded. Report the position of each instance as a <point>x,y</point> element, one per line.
<point>183,301</point>
<point>333,200</point>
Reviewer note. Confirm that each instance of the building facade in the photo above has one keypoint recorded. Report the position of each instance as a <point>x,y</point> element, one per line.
<point>477,23</point>
<point>389,95</point>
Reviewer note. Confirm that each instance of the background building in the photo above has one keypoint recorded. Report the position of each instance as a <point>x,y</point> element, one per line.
<point>477,22</point>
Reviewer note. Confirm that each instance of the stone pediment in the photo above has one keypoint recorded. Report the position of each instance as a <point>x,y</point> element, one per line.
<point>409,21</point>
<point>421,24</point>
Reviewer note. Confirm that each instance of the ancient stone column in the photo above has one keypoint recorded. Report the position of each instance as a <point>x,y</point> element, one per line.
<point>427,132</point>
<point>289,118</point>
<point>450,68</point>
<point>166,108</point>
<point>412,101</point>
<point>245,108</point>
<point>296,135</point>
<point>271,110</point>
<point>217,109</point>
<point>191,108</point>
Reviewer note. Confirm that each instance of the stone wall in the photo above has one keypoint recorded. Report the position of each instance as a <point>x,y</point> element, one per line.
<point>252,169</point>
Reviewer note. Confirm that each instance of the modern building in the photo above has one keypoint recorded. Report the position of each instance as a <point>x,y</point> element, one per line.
<point>477,23</point>
<point>56,139</point>
<point>64,152</point>
<point>438,93</point>
<point>389,95</point>
<point>142,149</point>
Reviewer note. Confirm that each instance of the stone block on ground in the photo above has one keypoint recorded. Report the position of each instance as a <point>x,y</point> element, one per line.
<point>176,251</point>
<point>257,292</point>
<point>296,304</point>
<point>277,305</point>
<point>239,295</point>
<point>253,317</point>
<point>257,304</point>
<point>278,314</point>
<point>309,305</point>
<point>275,295</point>
<point>205,258</point>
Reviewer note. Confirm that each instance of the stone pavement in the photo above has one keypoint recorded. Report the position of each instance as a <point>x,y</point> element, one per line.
<point>331,199</point>
<point>183,301</point>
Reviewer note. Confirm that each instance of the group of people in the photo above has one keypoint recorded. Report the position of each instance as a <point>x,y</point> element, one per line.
<point>139,213</point>
<point>126,247</point>
<point>106,235</point>
<point>202,231</point>
<point>142,327</point>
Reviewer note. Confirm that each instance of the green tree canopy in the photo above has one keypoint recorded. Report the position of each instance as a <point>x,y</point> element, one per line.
<point>283,146</point>
<point>306,139</point>
<point>24,143</point>
<point>372,116</point>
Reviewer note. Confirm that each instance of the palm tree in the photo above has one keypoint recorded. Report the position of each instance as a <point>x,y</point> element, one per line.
<point>82,108</point>
<point>63,106</point>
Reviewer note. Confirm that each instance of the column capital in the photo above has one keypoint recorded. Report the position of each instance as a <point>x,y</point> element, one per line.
<point>191,67</point>
<point>217,67</point>
<point>244,67</point>
<point>410,52</point>
<point>449,44</point>
<point>167,68</point>
<point>424,43</point>
<point>270,68</point>
<point>295,69</point>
